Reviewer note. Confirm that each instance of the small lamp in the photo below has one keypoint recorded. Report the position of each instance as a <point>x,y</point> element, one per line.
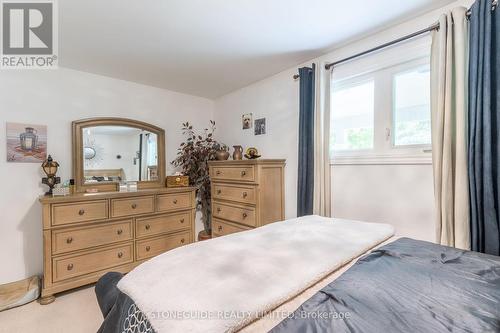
<point>50,166</point>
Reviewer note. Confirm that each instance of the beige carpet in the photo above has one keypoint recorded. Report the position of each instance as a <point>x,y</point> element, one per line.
<point>73,312</point>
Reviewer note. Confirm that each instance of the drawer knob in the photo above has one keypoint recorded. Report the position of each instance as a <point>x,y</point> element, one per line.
<point>182,220</point>
<point>120,254</point>
<point>70,267</point>
<point>148,248</point>
<point>218,209</point>
<point>220,228</point>
<point>119,231</point>
<point>245,194</point>
<point>134,206</point>
<point>217,172</point>
<point>243,173</point>
<point>219,191</point>
<point>245,215</point>
<point>175,201</point>
<point>182,241</point>
<point>69,240</point>
<point>81,212</point>
<point>148,227</point>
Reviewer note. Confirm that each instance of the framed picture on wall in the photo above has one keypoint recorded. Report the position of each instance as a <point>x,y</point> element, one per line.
<point>246,120</point>
<point>260,126</point>
<point>26,143</point>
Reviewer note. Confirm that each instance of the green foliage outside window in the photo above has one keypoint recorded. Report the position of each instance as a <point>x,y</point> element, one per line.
<point>359,138</point>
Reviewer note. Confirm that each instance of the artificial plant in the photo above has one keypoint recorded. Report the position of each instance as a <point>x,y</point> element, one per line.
<point>192,157</point>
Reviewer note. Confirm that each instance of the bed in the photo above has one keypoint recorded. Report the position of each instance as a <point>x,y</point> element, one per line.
<point>406,286</point>
<point>257,299</point>
<point>234,279</point>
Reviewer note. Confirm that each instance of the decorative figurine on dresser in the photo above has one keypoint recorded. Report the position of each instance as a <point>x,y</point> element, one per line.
<point>246,194</point>
<point>100,229</point>
<point>49,166</point>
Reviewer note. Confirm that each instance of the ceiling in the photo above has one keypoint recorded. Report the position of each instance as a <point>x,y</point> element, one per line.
<point>211,47</point>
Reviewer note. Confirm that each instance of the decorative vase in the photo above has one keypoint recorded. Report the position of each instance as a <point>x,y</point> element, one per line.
<point>238,153</point>
<point>222,155</point>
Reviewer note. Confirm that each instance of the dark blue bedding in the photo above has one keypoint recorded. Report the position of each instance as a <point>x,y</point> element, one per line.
<point>120,313</point>
<point>407,286</point>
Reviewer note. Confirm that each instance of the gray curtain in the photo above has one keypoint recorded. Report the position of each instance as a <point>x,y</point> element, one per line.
<point>305,190</point>
<point>484,128</point>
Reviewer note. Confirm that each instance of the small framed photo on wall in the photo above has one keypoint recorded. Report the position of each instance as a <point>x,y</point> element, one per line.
<point>260,126</point>
<point>246,120</point>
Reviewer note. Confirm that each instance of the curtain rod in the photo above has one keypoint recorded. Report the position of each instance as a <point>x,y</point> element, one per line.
<point>383,46</point>
<point>494,5</point>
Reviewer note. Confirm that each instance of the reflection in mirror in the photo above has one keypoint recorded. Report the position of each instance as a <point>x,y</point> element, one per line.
<point>89,153</point>
<point>119,154</point>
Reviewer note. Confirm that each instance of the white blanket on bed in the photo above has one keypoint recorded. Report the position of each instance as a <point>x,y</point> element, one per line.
<point>221,285</point>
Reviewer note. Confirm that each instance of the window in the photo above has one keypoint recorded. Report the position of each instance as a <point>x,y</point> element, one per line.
<point>380,108</point>
<point>412,107</point>
<point>352,121</point>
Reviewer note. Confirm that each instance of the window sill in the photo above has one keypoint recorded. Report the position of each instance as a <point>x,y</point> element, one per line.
<point>395,159</point>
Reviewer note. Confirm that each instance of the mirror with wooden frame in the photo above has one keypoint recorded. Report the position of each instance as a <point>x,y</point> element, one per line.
<point>110,151</point>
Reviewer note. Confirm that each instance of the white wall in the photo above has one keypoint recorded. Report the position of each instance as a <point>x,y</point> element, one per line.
<point>56,98</point>
<point>398,194</point>
<point>401,195</point>
<point>275,99</point>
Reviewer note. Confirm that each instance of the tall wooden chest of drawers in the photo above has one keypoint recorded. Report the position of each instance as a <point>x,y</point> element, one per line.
<point>87,235</point>
<point>246,194</point>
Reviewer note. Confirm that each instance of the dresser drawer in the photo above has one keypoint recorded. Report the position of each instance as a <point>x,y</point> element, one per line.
<point>92,261</point>
<point>236,173</point>
<point>235,213</point>
<point>81,238</point>
<point>155,225</point>
<point>151,247</point>
<point>244,194</point>
<point>79,212</point>
<point>132,206</point>
<point>173,201</point>
<point>220,228</point>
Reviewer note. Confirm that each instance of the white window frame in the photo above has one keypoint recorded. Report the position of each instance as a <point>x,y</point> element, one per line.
<point>382,68</point>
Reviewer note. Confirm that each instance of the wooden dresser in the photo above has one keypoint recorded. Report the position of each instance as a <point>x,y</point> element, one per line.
<point>246,194</point>
<point>87,235</point>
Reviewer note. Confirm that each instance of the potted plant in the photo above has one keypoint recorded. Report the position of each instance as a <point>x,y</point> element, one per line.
<point>192,157</point>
